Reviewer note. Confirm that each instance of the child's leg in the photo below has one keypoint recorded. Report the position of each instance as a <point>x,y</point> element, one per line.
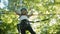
<point>31,30</point>
<point>23,27</point>
<point>23,31</point>
<point>18,27</point>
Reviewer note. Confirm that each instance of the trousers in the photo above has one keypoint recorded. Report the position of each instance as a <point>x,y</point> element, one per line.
<point>23,26</point>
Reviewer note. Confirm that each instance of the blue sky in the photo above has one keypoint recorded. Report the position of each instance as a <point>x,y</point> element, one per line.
<point>3,3</point>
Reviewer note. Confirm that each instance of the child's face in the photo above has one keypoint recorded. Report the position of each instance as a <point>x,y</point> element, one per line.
<point>24,12</point>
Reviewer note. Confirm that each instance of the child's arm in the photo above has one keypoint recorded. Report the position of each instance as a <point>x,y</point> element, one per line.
<point>30,15</point>
<point>17,13</point>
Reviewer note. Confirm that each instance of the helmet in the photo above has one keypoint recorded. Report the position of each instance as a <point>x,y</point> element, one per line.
<point>23,9</point>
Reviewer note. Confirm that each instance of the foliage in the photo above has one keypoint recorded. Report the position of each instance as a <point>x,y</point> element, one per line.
<point>47,9</point>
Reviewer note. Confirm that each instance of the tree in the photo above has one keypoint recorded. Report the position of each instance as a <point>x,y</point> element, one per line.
<point>48,11</point>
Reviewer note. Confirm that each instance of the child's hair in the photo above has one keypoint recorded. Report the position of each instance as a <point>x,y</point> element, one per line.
<point>23,9</point>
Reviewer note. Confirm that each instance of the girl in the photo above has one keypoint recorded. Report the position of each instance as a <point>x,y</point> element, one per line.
<point>24,25</point>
